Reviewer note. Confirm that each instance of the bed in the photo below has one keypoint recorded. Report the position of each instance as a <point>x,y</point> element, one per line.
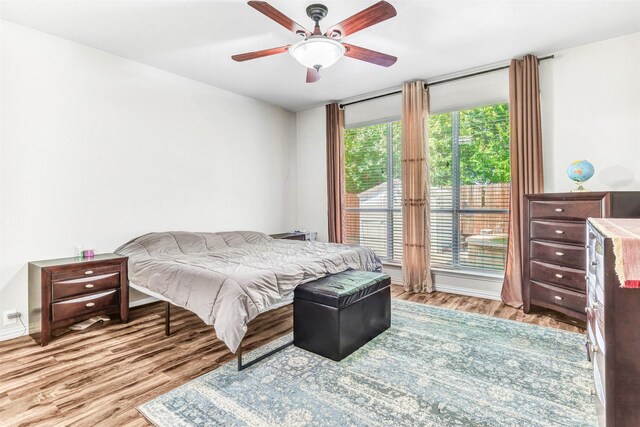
<point>229,278</point>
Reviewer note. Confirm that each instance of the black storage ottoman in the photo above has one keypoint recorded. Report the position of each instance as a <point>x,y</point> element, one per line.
<point>336,315</point>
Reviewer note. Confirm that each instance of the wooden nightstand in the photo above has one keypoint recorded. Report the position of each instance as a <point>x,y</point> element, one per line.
<point>297,235</point>
<point>67,290</point>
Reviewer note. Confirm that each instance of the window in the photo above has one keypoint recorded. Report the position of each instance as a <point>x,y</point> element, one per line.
<point>469,172</point>
<point>470,175</point>
<point>374,190</point>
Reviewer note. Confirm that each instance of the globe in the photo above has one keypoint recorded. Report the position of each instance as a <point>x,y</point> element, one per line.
<point>580,172</point>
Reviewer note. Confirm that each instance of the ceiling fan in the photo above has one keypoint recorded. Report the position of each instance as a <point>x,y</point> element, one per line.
<point>319,50</point>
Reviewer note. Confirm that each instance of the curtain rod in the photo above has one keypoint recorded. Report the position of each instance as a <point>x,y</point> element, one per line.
<point>437,82</point>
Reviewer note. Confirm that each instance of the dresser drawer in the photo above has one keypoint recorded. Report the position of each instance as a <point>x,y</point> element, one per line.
<point>76,273</point>
<point>84,285</point>
<point>573,232</point>
<point>548,295</point>
<point>84,305</point>
<point>573,209</point>
<point>558,253</point>
<point>564,276</point>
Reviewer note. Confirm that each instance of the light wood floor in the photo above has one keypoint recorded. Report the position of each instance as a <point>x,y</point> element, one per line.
<point>99,376</point>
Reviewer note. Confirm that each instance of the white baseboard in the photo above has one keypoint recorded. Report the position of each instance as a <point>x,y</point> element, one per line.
<point>12,332</point>
<point>480,285</point>
<point>142,301</point>
<point>395,272</point>
<point>459,290</point>
<point>18,330</point>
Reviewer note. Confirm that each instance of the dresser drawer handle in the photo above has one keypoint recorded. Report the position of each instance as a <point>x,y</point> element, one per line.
<point>559,210</point>
<point>89,285</point>
<point>90,304</point>
<point>88,272</point>
<point>560,253</point>
<point>559,232</point>
<point>559,276</point>
<point>557,298</point>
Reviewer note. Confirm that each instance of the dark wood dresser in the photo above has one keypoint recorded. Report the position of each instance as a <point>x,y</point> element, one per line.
<point>65,291</point>
<point>613,336</point>
<point>554,238</point>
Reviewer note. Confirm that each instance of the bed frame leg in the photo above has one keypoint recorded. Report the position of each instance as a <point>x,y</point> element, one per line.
<point>242,366</point>
<point>167,319</point>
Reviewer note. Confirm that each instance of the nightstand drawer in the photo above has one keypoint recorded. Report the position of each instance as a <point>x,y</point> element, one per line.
<point>573,232</point>
<point>570,209</point>
<point>547,295</point>
<point>77,273</point>
<point>555,274</point>
<point>558,253</point>
<point>85,285</point>
<point>84,305</point>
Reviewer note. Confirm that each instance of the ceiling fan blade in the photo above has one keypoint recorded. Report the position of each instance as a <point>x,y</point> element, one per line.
<point>369,55</point>
<point>259,53</point>
<point>313,75</point>
<point>372,15</point>
<point>273,13</point>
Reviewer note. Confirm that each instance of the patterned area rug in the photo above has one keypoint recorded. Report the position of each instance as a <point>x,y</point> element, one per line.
<point>433,367</point>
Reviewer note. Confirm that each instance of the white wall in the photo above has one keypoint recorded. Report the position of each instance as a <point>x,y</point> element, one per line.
<point>590,103</point>
<point>311,209</point>
<point>97,149</point>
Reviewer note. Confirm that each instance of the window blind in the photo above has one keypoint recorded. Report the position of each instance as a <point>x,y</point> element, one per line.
<point>373,184</point>
<point>470,174</point>
<point>374,111</point>
<point>486,89</point>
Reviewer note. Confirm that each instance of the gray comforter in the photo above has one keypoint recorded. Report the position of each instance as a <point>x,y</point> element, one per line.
<point>229,278</point>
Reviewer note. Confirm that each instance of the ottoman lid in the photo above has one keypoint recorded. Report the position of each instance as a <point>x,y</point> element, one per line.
<point>342,289</point>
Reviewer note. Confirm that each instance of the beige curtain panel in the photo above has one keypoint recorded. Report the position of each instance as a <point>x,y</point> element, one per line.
<point>335,173</point>
<point>416,267</point>
<point>526,164</point>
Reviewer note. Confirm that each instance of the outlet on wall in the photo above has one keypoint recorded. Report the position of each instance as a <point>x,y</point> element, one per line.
<point>7,318</point>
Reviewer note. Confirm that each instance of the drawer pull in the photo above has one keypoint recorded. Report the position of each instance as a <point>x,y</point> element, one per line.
<point>559,210</point>
<point>559,276</point>
<point>560,253</point>
<point>557,298</point>
<point>90,304</point>
<point>88,272</point>
<point>559,232</point>
<point>89,285</point>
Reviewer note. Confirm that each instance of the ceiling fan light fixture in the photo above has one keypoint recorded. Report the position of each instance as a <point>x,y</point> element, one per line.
<point>317,52</point>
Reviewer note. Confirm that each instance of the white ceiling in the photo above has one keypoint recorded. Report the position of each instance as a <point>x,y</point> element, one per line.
<point>430,38</point>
